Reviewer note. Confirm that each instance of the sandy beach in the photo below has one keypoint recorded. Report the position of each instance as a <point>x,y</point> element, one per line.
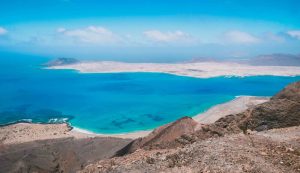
<point>195,69</point>
<point>28,132</point>
<point>235,106</point>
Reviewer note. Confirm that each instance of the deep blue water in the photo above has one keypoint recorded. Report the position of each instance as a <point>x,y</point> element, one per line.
<point>114,103</point>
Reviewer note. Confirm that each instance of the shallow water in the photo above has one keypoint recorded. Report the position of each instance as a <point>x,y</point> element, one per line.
<point>114,103</point>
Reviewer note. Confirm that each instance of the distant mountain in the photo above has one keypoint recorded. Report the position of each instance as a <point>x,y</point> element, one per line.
<point>276,60</point>
<point>203,59</point>
<point>62,61</point>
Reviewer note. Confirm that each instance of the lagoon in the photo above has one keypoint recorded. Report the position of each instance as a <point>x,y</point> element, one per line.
<point>115,102</point>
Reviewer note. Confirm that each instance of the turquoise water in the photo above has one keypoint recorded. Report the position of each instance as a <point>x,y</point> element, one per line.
<point>114,103</point>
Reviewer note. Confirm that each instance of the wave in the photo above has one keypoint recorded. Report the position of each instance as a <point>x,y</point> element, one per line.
<point>83,131</point>
<point>243,96</point>
<point>58,120</point>
<point>25,120</point>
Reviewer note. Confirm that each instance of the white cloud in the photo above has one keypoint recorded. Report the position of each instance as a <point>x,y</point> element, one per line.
<point>158,36</point>
<point>91,34</point>
<point>294,34</point>
<point>3,31</point>
<point>240,37</point>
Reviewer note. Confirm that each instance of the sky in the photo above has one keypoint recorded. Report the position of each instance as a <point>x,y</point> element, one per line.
<point>150,30</point>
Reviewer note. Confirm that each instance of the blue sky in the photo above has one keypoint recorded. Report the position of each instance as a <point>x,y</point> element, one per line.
<point>150,29</point>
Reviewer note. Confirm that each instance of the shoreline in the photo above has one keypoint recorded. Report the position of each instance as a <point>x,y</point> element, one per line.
<point>125,135</point>
<point>25,131</point>
<point>239,103</point>
<point>194,69</point>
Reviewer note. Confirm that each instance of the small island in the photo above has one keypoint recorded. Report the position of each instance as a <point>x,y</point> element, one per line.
<point>62,61</point>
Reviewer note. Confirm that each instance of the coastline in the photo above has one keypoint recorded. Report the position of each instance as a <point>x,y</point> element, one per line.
<point>194,69</point>
<point>26,131</point>
<point>237,105</point>
<point>131,135</point>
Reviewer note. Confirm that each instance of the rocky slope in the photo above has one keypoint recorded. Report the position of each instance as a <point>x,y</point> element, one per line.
<point>66,154</point>
<point>162,136</point>
<point>291,92</point>
<point>273,151</point>
<point>236,143</point>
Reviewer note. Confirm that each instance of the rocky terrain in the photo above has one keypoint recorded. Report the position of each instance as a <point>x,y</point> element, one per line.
<point>161,136</point>
<point>61,153</point>
<point>268,151</point>
<point>264,138</point>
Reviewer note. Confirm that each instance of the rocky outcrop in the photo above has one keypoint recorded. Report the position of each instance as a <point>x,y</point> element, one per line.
<point>278,113</point>
<point>272,151</point>
<point>162,137</point>
<point>291,92</point>
<point>283,110</point>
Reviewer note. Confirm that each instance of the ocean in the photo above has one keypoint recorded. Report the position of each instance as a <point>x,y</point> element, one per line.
<point>116,102</point>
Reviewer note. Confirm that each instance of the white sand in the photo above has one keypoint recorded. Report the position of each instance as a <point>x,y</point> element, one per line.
<point>132,135</point>
<point>196,69</point>
<point>26,132</point>
<point>235,106</point>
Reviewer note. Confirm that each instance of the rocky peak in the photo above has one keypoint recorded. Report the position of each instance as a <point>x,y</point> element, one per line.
<point>162,136</point>
<point>291,92</point>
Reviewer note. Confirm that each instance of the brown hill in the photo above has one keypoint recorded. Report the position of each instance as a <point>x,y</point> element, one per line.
<point>291,92</point>
<point>162,136</point>
<point>57,155</point>
<point>272,151</point>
